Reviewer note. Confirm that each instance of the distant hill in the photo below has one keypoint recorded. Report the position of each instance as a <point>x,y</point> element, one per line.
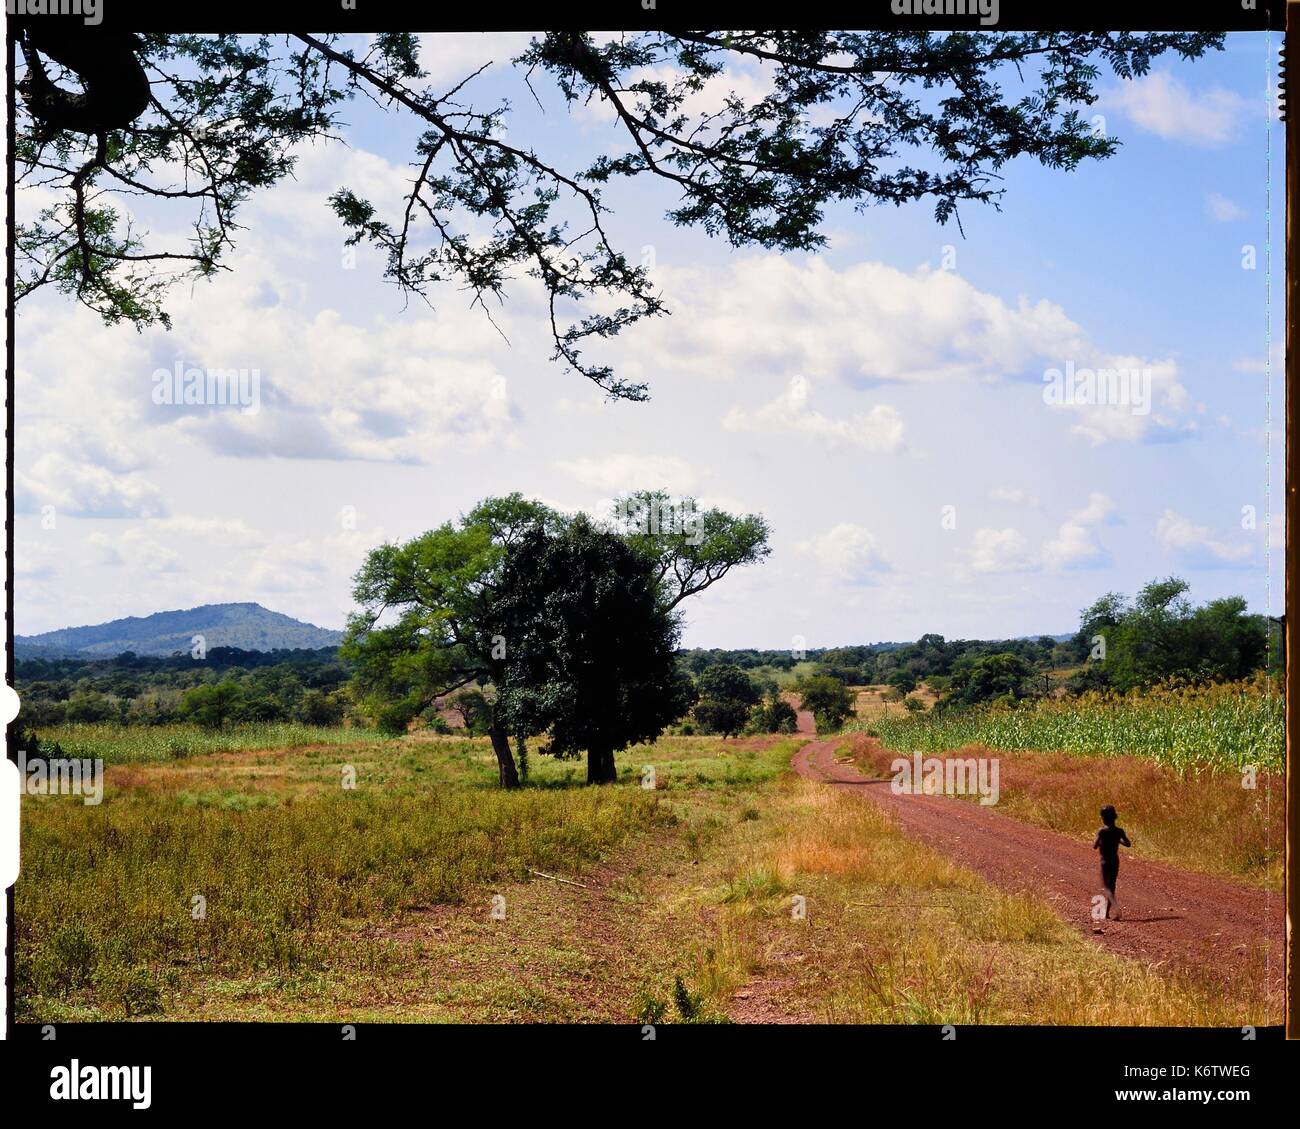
<point>249,626</point>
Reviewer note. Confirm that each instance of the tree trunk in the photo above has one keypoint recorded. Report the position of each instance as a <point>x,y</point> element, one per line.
<point>600,766</point>
<point>509,775</point>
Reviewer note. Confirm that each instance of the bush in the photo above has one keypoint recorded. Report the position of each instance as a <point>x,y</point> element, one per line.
<point>828,699</point>
<point>774,715</point>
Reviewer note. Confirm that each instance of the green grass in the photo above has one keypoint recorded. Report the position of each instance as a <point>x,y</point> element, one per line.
<point>151,744</point>
<point>1220,727</point>
<point>293,866</point>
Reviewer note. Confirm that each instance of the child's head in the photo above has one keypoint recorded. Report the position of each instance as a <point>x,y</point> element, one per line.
<point>1108,815</point>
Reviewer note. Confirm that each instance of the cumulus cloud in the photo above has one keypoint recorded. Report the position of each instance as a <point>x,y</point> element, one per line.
<point>1001,550</point>
<point>866,324</point>
<point>77,488</point>
<point>1166,106</point>
<point>848,552</point>
<point>1120,398</point>
<point>879,429</point>
<point>1075,544</point>
<point>1196,546</point>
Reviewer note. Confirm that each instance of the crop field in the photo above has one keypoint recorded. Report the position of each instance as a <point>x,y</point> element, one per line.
<point>1227,726</point>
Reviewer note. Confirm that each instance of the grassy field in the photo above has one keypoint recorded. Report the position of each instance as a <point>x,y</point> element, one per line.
<point>156,744</point>
<point>872,703</point>
<point>375,902</point>
<point>1226,726</point>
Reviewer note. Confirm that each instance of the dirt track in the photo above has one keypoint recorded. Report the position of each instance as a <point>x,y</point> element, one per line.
<point>1168,914</point>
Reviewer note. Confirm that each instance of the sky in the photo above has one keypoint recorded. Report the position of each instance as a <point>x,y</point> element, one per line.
<point>883,402</point>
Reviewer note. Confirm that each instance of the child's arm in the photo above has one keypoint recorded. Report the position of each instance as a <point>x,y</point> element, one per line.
<point>1124,838</point>
<point>1096,843</point>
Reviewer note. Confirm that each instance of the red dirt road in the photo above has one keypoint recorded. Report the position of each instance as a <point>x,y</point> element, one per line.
<point>1168,914</point>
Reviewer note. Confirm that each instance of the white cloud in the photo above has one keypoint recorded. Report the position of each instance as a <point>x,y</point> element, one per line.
<point>849,552</point>
<point>1196,546</point>
<point>865,324</point>
<point>1075,544</point>
<point>76,488</point>
<point>136,550</point>
<point>1000,550</point>
<point>450,57</point>
<point>622,474</point>
<point>1224,210</point>
<point>879,429</point>
<point>1167,107</point>
<point>1014,496</point>
<point>1157,400</point>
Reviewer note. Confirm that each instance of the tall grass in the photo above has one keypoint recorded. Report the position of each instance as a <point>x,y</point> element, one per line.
<point>105,908</point>
<point>1224,726</point>
<point>151,744</point>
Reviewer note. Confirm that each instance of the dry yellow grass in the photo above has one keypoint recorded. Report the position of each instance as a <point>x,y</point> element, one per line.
<point>897,933</point>
<point>873,702</point>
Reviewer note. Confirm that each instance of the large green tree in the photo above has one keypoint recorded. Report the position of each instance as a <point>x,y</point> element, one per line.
<point>829,700</point>
<point>424,628</point>
<point>198,123</point>
<point>592,646</point>
<point>455,608</point>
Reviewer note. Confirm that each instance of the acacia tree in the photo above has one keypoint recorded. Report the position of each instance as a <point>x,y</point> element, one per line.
<point>689,548</point>
<point>199,123</point>
<point>424,628</point>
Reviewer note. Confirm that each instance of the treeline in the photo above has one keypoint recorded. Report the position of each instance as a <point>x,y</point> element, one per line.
<point>1121,645</point>
<point>901,665</point>
<point>307,685</point>
<point>1156,638</point>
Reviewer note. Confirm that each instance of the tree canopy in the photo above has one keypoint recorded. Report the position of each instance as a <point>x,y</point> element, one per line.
<point>727,695</point>
<point>200,123</point>
<point>829,700</point>
<point>591,646</point>
<point>425,624</point>
<point>1161,634</point>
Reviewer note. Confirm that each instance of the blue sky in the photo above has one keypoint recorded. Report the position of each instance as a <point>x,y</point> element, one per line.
<point>882,403</point>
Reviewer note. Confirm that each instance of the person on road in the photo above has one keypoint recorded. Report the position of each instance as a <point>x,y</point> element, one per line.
<point>1109,840</point>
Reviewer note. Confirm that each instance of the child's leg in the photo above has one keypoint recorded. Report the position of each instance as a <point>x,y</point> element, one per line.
<point>1108,876</point>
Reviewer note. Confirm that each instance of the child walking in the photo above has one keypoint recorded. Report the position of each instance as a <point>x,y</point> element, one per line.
<point>1109,840</point>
